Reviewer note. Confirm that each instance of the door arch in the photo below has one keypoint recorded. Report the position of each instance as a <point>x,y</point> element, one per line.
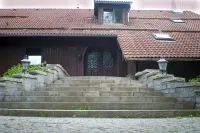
<point>99,62</point>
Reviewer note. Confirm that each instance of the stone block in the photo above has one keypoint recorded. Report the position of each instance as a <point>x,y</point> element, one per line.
<point>170,91</point>
<point>48,79</point>
<point>41,81</point>
<point>37,72</point>
<point>197,98</point>
<point>29,84</point>
<point>185,89</point>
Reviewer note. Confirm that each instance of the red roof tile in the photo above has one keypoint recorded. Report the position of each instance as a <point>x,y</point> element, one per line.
<point>135,38</point>
<point>141,44</point>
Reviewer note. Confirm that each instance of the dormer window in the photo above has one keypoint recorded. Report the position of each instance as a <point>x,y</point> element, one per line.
<point>112,11</point>
<point>112,16</point>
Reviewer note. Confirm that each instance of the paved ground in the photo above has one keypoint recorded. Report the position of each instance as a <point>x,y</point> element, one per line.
<point>98,125</point>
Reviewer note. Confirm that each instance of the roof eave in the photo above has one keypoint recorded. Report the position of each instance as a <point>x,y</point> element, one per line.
<point>168,59</point>
<point>55,35</point>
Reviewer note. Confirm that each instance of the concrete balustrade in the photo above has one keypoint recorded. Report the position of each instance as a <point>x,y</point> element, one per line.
<point>29,82</point>
<point>169,85</point>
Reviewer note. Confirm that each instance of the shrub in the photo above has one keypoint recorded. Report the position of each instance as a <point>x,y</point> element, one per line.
<point>197,79</point>
<point>13,70</point>
<point>18,69</point>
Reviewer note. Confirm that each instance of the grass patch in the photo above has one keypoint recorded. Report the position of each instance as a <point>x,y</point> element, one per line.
<point>43,114</point>
<point>12,113</point>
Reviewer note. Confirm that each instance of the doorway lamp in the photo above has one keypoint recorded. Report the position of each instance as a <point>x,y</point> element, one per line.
<point>162,64</point>
<point>25,63</point>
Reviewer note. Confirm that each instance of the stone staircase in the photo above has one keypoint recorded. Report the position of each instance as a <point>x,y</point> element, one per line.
<point>93,97</point>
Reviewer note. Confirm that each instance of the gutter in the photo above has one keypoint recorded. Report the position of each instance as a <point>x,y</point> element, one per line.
<point>55,35</point>
<point>157,58</point>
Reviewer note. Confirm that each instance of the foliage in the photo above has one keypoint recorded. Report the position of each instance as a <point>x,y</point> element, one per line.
<point>84,108</point>
<point>43,114</point>
<point>18,69</point>
<point>12,113</point>
<point>13,70</point>
<point>198,114</point>
<point>197,79</point>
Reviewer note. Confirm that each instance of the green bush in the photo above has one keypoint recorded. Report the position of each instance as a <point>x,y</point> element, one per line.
<point>197,79</point>
<point>13,70</point>
<point>18,69</point>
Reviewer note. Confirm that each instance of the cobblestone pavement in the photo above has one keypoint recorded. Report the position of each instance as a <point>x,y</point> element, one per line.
<point>98,125</point>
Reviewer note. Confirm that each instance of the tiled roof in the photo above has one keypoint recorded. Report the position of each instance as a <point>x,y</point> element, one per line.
<point>135,38</point>
<point>141,44</point>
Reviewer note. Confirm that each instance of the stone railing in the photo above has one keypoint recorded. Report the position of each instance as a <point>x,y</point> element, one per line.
<point>33,81</point>
<point>170,85</point>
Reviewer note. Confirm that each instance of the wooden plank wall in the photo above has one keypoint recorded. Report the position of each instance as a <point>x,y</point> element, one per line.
<point>56,51</point>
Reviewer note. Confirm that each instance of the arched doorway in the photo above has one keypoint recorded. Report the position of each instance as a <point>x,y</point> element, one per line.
<point>100,62</point>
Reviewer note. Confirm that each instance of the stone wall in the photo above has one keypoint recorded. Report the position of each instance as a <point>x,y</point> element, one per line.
<point>170,85</point>
<point>33,81</point>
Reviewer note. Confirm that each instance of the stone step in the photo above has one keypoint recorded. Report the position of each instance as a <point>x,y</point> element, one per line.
<point>98,113</point>
<point>94,85</point>
<point>94,78</point>
<point>83,93</point>
<point>86,81</point>
<point>83,88</point>
<point>115,99</point>
<point>99,81</point>
<point>97,105</point>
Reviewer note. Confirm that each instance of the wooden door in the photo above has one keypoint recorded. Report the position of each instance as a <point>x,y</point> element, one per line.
<point>99,62</point>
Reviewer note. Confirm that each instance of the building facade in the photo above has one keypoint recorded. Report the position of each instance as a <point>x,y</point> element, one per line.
<point>110,40</point>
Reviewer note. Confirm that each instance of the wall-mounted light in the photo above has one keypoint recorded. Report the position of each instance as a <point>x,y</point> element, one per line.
<point>162,63</point>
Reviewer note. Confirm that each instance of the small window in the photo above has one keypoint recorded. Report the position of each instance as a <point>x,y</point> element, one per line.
<point>108,16</point>
<point>178,21</point>
<point>93,60</point>
<point>34,55</point>
<point>112,16</point>
<point>162,36</point>
<point>35,60</point>
<point>118,16</point>
<point>107,60</point>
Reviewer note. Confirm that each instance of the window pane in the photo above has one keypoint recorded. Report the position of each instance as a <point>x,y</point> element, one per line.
<point>118,16</point>
<point>108,17</point>
<point>93,59</point>
<point>107,60</point>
